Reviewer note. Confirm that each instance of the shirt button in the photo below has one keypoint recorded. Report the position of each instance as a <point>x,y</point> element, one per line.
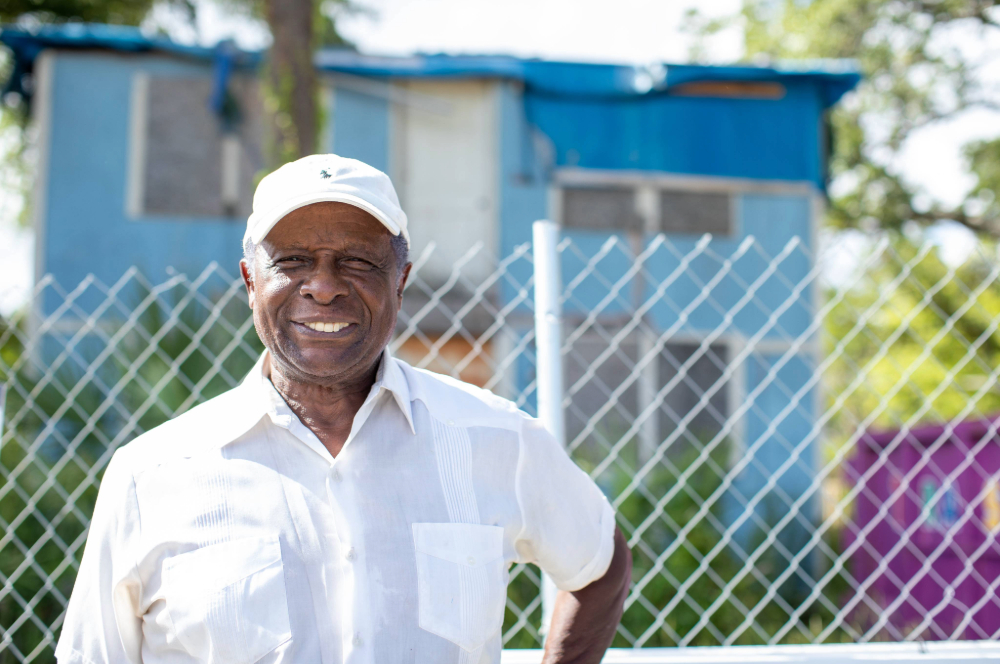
<point>357,640</point>
<point>336,476</point>
<point>350,555</point>
<point>451,423</point>
<point>471,560</point>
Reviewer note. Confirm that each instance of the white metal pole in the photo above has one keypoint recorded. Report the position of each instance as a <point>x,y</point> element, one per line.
<point>548,344</point>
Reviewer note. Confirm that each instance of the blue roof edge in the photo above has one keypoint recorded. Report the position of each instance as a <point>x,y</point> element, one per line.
<point>540,76</point>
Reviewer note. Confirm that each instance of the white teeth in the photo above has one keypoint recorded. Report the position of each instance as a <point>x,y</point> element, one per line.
<point>327,327</point>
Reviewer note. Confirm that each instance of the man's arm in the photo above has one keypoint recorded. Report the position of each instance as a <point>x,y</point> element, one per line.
<point>584,622</point>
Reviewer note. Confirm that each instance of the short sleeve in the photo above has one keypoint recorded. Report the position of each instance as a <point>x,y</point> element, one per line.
<point>102,620</point>
<point>568,526</point>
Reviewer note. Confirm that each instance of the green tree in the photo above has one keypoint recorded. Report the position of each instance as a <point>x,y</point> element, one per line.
<point>926,348</point>
<point>924,335</point>
<point>915,74</point>
<point>298,27</point>
<point>119,12</point>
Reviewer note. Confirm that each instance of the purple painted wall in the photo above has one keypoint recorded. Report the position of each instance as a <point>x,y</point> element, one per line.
<point>924,543</point>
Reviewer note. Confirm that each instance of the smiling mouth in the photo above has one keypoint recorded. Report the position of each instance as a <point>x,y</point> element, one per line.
<point>325,327</point>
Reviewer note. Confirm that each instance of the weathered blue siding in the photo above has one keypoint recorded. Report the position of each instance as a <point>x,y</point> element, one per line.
<point>782,416</point>
<point>86,229</point>
<point>770,139</point>
<point>523,183</point>
<point>361,127</point>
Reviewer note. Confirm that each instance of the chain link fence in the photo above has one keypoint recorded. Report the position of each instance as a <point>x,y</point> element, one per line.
<point>798,452</point>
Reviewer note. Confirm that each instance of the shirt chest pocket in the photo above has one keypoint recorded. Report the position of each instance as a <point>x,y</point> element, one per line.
<point>227,601</point>
<point>461,581</point>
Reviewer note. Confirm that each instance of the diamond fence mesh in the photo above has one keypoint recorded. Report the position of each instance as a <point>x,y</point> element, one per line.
<point>797,453</point>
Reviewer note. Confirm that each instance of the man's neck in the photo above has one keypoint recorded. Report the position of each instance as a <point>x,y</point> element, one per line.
<point>328,411</point>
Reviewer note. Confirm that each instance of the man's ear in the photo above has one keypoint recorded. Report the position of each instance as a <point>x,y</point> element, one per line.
<point>403,276</point>
<point>248,282</point>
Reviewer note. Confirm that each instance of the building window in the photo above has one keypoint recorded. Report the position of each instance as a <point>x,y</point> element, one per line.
<point>647,207</point>
<point>699,392</point>
<point>601,208</point>
<point>689,397</point>
<point>187,160</point>
<point>695,212</point>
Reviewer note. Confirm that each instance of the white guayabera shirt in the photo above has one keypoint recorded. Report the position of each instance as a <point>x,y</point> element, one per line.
<point>230,534</point>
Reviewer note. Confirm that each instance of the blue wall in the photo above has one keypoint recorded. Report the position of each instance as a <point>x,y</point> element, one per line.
<point>361,127</point>
<point>776,139</point>
<point>782,418</point>
<point>86,228</point>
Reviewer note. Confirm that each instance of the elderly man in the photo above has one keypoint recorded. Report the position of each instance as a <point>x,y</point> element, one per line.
<point>338,505</point>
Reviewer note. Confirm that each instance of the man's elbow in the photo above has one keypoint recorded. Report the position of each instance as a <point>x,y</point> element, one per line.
<point>620,570</point>
<point>612,588</point>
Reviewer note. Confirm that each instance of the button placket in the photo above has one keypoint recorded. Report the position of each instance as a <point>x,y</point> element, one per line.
<point>334,485</point>
<point>349,568</point>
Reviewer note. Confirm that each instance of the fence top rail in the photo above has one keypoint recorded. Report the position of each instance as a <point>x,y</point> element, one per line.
<point>953,652</point>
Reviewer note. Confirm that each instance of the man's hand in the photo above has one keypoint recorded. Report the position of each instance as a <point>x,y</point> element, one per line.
<point>584,622</point>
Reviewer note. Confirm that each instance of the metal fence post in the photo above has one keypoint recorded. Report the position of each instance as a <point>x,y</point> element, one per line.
<point>549,368</point>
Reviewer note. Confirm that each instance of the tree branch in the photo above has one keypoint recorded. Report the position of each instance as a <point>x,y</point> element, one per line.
<point>981,225</point>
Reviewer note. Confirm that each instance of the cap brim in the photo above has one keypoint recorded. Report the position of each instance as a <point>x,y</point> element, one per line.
<point>259,228</point>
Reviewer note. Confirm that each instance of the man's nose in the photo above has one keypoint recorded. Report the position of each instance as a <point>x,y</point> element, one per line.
<point>324,285</point>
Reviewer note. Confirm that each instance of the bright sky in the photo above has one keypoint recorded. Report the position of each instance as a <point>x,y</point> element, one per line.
<point>634,31</point>
<point>626,31</point>
<point>638,31</point>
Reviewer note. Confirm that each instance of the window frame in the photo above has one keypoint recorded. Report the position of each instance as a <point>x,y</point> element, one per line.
<point>735,387</point>
<point>231,152</point>
<point>648,185</point>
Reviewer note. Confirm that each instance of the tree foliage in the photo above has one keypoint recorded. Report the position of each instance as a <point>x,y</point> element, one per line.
<point>325,15</point>
<point>298,27</point>
<point>916,74</point>
<point>913,340</point>
<point>118,12</point>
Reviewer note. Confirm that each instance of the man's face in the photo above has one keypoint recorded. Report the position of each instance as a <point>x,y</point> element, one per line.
<point>326,265</point>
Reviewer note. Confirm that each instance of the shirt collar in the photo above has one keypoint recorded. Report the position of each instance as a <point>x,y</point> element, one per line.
<point>256,395</point>
<point>391,378</point>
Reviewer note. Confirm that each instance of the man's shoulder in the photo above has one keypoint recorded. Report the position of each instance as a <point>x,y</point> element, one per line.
<point>451,400</point>
<point>208,425</point>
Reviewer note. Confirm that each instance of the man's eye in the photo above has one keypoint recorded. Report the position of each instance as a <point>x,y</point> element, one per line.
<point>358,264</point>
<point>289,261</point>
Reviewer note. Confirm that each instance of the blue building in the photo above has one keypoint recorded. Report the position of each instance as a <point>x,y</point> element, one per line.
<point>148,152</point>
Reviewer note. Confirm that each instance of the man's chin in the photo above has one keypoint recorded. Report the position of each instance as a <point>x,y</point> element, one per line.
<point>325,363</point>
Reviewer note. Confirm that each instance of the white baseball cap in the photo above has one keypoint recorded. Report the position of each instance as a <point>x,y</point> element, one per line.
<point>319,178</point>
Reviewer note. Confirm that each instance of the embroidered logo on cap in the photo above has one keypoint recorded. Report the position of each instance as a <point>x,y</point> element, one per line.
<point>325,174</point>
